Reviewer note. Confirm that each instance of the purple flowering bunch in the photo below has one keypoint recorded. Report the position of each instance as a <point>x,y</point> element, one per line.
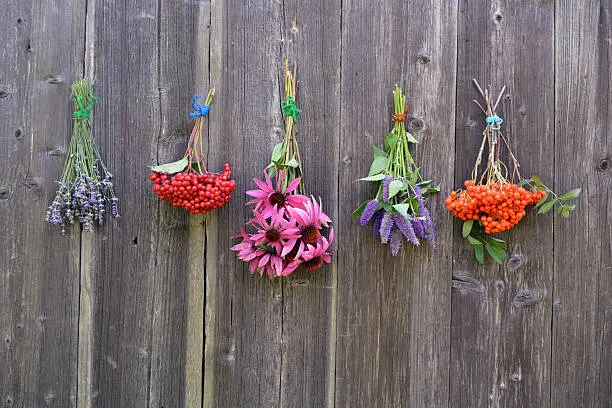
<point>398,210</point>
<point>85,188</point>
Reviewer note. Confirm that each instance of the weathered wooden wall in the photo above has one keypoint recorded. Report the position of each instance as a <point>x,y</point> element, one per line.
<point>154,310</point>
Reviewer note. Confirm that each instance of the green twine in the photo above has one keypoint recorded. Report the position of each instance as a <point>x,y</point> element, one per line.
<point>83,112</point>
<point>290,108</point>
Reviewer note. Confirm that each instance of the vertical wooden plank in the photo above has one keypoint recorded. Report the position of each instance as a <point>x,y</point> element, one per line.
<point>311,37</point>
<point>122,258</point>
<point>41,55</point>
<point>393,320</point>
<point>147,56</point>
<point>582,305</point>
<point>501,315</point>
<point>243,313</point>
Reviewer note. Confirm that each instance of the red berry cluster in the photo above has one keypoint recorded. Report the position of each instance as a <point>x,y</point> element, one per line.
<point>197,193</point>
<point>499,207</point>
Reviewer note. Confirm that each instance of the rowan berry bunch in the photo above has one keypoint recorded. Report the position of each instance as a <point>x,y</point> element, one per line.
<point>197,193</point>
<point>498,207</point>
<point>187,183</point>
<point>492,202</point>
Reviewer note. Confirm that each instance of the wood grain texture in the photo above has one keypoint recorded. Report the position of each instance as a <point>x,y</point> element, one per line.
<point>311,38</point>
<point>392,314</point>
<point>243,320</point>
<point>500,346</point>
<point>582,312</point>
<point>39,270</point>
<point>146,65</point>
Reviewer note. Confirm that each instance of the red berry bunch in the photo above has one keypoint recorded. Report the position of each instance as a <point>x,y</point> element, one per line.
<point>498,207</point>
<point>197,193</point>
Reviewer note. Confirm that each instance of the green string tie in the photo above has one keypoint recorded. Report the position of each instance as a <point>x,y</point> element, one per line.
<point>290,108</point>
<point>495,122</point>
<point>83,112</point>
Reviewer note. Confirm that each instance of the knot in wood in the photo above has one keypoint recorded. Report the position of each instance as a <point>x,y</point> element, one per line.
<point>19,134</point>
<point>527,297</point>
<point>54,79</point>
<point>515,262</point>
<point>31,183</point>
<point>424,58</point>
<point>5,193</point>
<point>416,125</point>
<point>604,164</point>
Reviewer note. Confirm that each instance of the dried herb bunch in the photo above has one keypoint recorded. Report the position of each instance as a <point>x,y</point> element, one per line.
<point>85,188</point>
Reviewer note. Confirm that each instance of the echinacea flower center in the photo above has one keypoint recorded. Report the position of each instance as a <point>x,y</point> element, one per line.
<point>313,264</point>
<point>272,235</point>
<point>278,199</point>
<point>310,234</point>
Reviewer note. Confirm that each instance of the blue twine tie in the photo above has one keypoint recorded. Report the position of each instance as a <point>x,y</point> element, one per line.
<point>495,122</point>
<point>200,110</point>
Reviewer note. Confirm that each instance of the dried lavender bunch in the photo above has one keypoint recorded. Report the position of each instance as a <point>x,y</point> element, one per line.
<point>85,188</point>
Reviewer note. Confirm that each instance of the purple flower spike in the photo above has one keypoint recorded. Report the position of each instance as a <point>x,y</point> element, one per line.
<point>430,233</point>
<point>368,211</point>
<point>419,228</point>
<point>385,227</point>
<point>405,227</point>
<point>377,222</point>
<point>385,185</point>
<point>396,241</point>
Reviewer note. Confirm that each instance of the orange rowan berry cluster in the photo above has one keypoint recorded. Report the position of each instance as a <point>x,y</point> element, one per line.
<point>498,207</point>
<point>197,193</point>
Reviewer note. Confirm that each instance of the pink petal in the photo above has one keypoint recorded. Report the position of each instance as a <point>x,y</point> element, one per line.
<point>293,185</point>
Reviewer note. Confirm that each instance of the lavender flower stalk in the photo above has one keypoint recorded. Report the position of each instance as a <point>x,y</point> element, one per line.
<point>85,187</point>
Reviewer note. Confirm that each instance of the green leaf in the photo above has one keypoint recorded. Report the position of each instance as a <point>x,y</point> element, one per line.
<point>359,210</point>
<point>571,207</point>
<point>388,207</point>
<point>415,176</point>
<point>467,228</point>
<point>542,200</point>
<point>414,204</point>
<point>424,183</point>
<point>479,253</point>
<point>473,240</point>
<point>171,168</point>
<point>395,187</point>
<point>390,141</point>
<point>546,207</point>
<point>497,243</point>
<point>277,153</point>
<point>570,194</point>
<point>537,180</point>
<point>524,181</point>
<point>411,138</point>
<point>378,165</point>
<point>376,177</point>
<point>379,152</point>
<point>292,163</point>
<point>403,209</point>
<point>435,189</point>
<point>497,253</point>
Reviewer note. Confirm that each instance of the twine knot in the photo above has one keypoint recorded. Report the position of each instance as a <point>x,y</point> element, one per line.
<point>495,122</point>
<point>83,112</point>
<point>200,110</point>
<point>290,108</point>
<point>400,117</point>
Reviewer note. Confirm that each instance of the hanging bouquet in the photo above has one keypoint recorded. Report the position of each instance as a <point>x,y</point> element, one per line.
<point>287,228</point>
<point>187,183</point>
<point>398,210</point>
<point>85,188</point>
<point>491,201</point>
